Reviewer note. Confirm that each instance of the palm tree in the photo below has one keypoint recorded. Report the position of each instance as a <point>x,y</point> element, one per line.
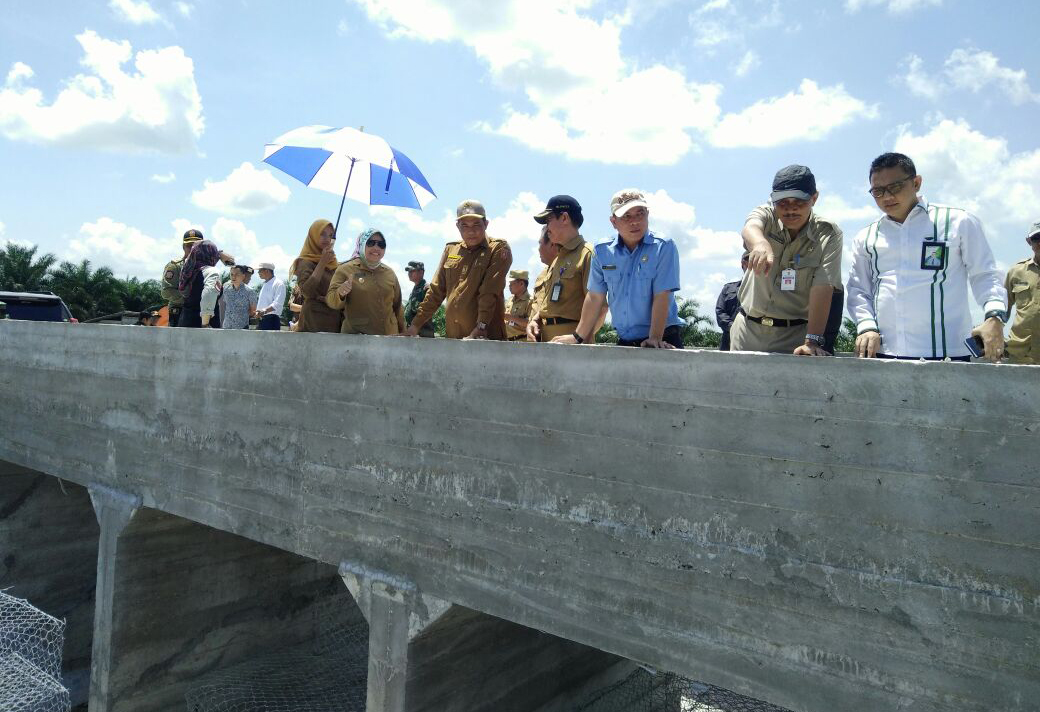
<point>696,332</point>
<point>139,296</point>
<point>87,292</point>
<point>22,271</point>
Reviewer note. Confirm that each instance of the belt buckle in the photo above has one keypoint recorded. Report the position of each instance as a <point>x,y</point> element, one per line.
<point>767,321</point>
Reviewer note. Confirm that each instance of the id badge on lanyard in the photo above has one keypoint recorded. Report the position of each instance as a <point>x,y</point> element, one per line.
<point>933,255</point>
<point>557,289</point>
<point>787,280</point>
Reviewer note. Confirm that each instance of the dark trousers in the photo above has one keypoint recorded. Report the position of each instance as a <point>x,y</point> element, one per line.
<point>270,322</point>
<point>192,319</point>
<point>673,335</point>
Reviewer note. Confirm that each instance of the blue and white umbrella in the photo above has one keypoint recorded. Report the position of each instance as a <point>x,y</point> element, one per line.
<point>350,163</point>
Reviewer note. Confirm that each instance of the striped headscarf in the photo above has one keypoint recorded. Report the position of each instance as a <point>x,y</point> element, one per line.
<point>204,254</point>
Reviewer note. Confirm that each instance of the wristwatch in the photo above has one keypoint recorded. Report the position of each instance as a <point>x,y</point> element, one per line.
<point>578,338</point>
<point>999,313</point>
<point>815,338</point>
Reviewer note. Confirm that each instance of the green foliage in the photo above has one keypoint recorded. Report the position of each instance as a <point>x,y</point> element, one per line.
<point>139,296</point>
<point>846,341</point>
<point>87,292</point>
<point>22,271</point>
<point>697,332</point>
<point>438,321</point>
<point>607,334</point>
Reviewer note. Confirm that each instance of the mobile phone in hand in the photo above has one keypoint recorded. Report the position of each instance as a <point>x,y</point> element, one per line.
<point>975,346</point>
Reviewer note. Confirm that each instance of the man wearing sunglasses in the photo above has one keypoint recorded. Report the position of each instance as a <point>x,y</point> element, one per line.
<point>908,287</point>
<point>470,281</point>
<point>1023,290</point>
<point>794,266</point>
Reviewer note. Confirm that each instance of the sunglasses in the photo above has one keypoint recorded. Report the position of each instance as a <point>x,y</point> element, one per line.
<point>376,243</point>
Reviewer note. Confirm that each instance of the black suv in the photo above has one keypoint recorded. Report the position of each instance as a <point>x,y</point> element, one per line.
<point>35,307</point>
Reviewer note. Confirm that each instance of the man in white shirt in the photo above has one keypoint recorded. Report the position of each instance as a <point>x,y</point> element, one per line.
<point>271,300</point>
<point>908,287</point>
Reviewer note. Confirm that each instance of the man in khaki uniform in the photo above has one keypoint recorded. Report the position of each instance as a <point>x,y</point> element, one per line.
<point>794,265</point>
<point>1023,289</point>
<point>559,308</point>
<point>470,281</point>
<point>172,276</point>
<point>518,306</point>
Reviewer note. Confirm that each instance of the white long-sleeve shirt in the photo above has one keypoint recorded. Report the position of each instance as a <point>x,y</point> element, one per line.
<point>922,312</point>
<point>272,294</point>
<point>210,290</point>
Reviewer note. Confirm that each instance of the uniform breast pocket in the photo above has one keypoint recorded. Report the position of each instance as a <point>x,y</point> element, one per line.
<point>809,261</point>
<point>1021,295</point>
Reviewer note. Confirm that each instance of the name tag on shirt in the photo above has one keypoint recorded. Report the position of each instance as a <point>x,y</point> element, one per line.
<point>787,280</point>
<point>554,295</point>
<point>606,267</point>
<point>933,255</point>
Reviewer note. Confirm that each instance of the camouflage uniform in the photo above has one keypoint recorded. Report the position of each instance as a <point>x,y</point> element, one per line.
<point>411,307</point>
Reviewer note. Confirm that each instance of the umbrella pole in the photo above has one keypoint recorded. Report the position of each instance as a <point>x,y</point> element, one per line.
<point>340,214</point>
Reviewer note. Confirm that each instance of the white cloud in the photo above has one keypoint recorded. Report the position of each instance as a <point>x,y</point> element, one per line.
<point>588,100</point>
<point>234,237</point>
<point>164,177</point>
<point>849,217</point>
<point>136,12</point>
<point>246,191</point>
<point>156,108</point>
<point>185,9</point>
<point>965,168</point>
<point>126,250</point>
<point>748,62</point>
<point>808,114</point>
<point>895,7</point>
<point>968,70</point>
<point>975,70</point>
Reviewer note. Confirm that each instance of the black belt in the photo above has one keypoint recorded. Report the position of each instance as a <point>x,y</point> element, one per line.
<point>770,321</point>
<point>518,338</point>
<point>554,320</point>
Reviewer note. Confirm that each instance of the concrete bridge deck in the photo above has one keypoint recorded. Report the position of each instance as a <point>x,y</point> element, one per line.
<point>825,534</point>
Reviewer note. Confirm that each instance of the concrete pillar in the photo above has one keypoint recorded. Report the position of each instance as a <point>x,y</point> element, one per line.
<point>387,648</point>
<point>114,511</point>
<point>177,600</point>
<point>428,655</point>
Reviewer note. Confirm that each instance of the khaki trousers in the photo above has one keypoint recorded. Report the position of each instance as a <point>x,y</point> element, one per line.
<point>747,335</point>
<point>550,332</point>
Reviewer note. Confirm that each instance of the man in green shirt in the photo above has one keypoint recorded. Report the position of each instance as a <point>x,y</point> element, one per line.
<point>416,272</point>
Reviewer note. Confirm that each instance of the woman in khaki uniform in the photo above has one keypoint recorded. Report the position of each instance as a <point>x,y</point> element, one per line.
<point>313,270</point>
<point>367,291</point>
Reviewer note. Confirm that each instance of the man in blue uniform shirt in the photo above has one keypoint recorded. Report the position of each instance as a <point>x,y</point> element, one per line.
<point>634,275</point>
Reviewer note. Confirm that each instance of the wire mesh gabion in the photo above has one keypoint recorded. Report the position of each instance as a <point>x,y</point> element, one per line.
<point>327,674</point>
<point>644,690</point>
<point>30,658</point>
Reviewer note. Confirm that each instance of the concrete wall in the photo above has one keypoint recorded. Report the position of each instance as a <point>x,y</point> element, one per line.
<point>820,533</point>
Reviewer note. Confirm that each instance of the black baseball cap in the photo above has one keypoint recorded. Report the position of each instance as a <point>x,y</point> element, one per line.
<point>560,204</point>
<point>793,182</point>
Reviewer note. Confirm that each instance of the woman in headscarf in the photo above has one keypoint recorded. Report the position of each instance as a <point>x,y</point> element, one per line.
<point>200,284</point>
<point>313,270</point>
<point>367,291</point>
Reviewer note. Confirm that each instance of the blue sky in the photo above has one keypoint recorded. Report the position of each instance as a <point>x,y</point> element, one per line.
<point>124,122</point>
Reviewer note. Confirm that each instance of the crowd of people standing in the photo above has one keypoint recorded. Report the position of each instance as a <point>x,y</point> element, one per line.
<point>907,290</point>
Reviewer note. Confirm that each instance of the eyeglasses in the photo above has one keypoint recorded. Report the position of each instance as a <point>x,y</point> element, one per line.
<point>892,189</point>
<point>376,243</point>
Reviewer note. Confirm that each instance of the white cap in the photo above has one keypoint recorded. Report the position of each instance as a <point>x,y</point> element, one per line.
<point>625,200</point>
<point>266,265</point>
